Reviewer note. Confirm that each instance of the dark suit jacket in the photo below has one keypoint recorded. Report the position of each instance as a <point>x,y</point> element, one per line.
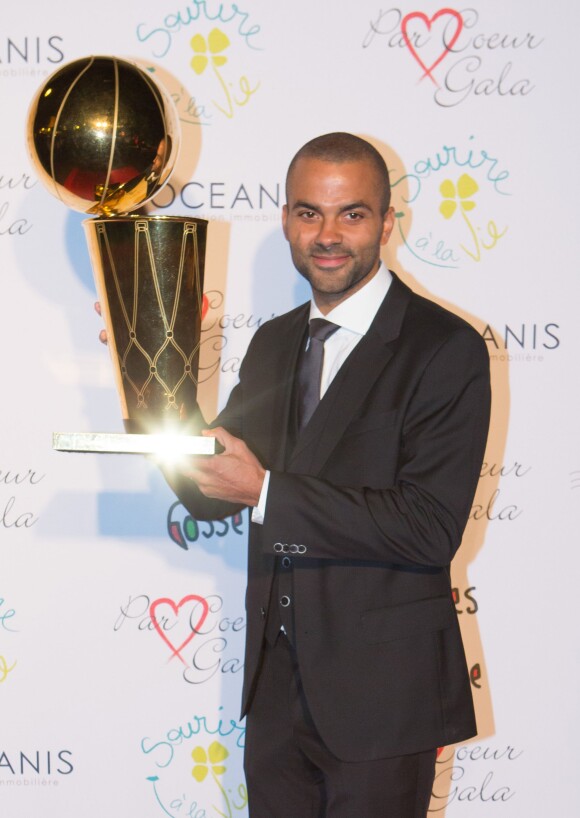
<point>378,490</point>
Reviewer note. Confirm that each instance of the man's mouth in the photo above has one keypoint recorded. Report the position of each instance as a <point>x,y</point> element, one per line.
<point>330,262</point>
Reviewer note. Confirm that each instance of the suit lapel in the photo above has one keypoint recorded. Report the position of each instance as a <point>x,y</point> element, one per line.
<point>352,384</point>
<point>289,349</point>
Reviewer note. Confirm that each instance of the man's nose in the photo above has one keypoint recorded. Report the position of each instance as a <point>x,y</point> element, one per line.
<point>329,233</point>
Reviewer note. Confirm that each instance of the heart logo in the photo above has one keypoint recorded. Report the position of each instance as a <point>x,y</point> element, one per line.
<point>418,15</point>
<point>204,306</point>
<point>176,650</point>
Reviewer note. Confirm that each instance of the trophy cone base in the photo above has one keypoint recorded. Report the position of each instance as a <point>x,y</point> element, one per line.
<point>163,445</point>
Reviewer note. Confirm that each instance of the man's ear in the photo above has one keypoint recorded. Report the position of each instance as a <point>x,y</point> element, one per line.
<point>285,220</point>
<point>388,224</point>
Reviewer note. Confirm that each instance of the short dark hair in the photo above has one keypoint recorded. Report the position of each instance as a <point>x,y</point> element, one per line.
<point>345,147</point>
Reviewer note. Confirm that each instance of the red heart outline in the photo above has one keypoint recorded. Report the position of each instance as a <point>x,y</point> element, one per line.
<point>204,306</point>
<point>165,601</point>
<point>428,22</point>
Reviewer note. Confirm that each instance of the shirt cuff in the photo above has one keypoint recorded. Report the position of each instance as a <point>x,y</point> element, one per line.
<point>259,511</point>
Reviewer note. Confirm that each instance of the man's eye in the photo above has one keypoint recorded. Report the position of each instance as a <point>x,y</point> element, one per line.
<point>354,216</point>
<point>307,214</point>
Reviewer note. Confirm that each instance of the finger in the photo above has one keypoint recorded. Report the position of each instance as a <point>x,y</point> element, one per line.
<point>103,337</point>
<point>222,436</point>
<point>98,307</point>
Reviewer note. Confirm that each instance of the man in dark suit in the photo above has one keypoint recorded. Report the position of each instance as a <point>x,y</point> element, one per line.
<point>355,671</point>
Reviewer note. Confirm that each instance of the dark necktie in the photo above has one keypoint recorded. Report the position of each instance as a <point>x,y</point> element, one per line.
<point>310,369</point>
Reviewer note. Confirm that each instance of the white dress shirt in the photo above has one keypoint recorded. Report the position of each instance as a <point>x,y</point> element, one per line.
<point>354,316</point>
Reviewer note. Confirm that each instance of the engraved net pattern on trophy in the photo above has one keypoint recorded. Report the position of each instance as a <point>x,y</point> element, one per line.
<point>144,365</point>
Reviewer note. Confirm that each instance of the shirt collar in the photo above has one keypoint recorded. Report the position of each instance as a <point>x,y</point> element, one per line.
<point>356,313</point>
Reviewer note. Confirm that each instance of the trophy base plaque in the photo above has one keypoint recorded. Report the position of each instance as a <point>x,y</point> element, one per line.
<point>160,445</point>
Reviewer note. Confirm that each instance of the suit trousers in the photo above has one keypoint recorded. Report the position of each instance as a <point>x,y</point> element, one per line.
<point>290,773</point>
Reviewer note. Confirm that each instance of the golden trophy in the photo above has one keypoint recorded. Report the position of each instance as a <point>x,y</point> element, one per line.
<point>104,137</point>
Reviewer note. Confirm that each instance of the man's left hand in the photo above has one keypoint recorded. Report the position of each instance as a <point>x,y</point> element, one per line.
<point>235,475</point>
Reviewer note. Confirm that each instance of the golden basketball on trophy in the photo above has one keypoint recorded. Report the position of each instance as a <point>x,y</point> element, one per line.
<point>104,137</point>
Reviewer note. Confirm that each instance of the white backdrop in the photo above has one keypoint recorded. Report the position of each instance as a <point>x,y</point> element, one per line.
<point>97,716</point>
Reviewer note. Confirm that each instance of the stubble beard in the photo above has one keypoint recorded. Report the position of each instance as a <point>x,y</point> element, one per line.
<point>333,283</point>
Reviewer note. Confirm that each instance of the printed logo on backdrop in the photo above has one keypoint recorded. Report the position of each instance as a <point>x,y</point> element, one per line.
<point>7,630</point>
<point>219,44</point>
<point>9,226</point>
<point>198,635</point>
<point>473,775</point>
<point>466,604</point>
<point>28,55</point>
<point>215,359</point>
<point>196,768</point>
<point>184,530</point>
<point>241,200</point>
<point>494,507</point>
<point>458,55</point>
<point>217,330</point>
<point>452,213</point>
<point>522,341</point>
<point>17,511</point>
<point>459,196</point>
<point>23,769</point>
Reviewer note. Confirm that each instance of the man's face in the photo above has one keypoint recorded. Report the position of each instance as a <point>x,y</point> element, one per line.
<point>335,227</point>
